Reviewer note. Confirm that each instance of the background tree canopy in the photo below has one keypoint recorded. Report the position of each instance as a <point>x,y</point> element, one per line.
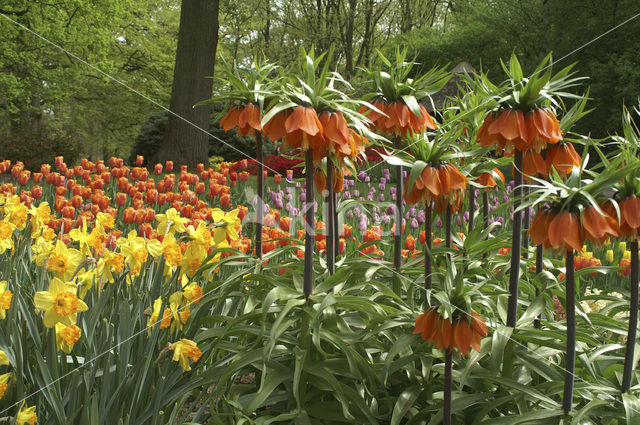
<point>44,90</point>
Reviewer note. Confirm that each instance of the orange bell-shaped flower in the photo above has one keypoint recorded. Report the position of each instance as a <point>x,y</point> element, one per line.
<point>565,232</point>
<point>630,217</point>
<point>598,227</point>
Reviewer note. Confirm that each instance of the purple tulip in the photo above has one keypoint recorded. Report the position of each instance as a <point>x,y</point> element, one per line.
<point>414,223</point>
<point>356,193</point>
<point>438,222</point>
<point>421,217</point>
<point>350,214</point>
<point>381,197</point>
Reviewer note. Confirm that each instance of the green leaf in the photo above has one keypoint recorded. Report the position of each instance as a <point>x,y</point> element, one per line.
<point>631,408</point>
<point>404,403</point>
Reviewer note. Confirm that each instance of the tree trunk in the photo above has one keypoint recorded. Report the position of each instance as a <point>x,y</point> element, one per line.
<point>186,139</point>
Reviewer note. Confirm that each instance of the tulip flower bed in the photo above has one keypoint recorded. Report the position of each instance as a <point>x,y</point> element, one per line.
<point>139,296</point>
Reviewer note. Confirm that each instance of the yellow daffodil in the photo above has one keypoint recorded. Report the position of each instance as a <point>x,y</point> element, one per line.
<point>166,315</point>
<point>39,218</point>
<point>171,250</point>
<point>66,336</point>
<point>88,240</point>
<point>6,235</point>
<point>184,350</point>
<point>27,416</point>
<point>85,281</point>
<point>5,299</point>
<point>4,383</point>
<point>4,359</point>
<point>171,222</point>
<point>179,307</point>
<point>227,225</point>
<point>64,261</point>
<point>104,221</point>
<point>192,258</point>
<point>60,303</point>
<point>136,250</point>
<point>42,250</point>
<point>201,235</point>
<point>193,293</point>
<point>16,212</point>
<point>110,263</point>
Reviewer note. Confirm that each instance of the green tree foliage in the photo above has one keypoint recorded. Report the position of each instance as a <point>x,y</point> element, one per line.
<point>482,33</point>
<point>43,88</point>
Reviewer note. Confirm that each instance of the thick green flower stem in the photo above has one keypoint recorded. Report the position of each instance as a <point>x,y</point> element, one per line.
<point>570,309</point>
<point>427,251</point>
<point>527,223</point>
<point>472,207</point>
<point>447,228</point>
<point>397,239</point>
<point>331,253</point>
<point>539,258</point>
<point>336,230</point>
<point>514,273</point>
<point>309,236</point>
<point>260,203</point>
<point>446,409</point>
<point>633,319</point>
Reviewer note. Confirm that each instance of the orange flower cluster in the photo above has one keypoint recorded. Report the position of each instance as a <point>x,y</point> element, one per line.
<point>397,118</point>
<point>325,134</point>
<point>443,185</point>
<point>246,119</point>
<point>581,262</point>
<point>464,333</point>
<point>373,233</point>
<point>486,179</point>
<point>511,129</point>
<point>566,230</point>
<point>81,193</point>
<point>629,216</point>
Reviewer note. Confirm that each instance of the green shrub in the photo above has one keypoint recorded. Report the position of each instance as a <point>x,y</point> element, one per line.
<point>152,133</point>
<point>40,148</point>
